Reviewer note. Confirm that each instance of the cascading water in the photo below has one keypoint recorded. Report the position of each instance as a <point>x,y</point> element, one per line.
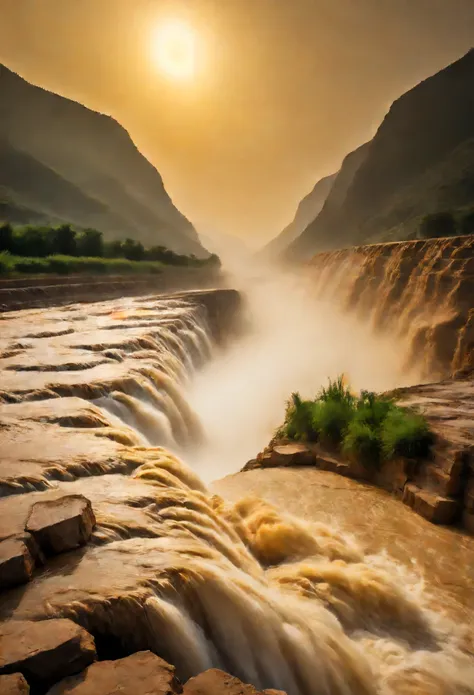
<point>276,600</point>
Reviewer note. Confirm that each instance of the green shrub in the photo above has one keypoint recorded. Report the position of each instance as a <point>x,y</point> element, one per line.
<point>6,263</point>
<point>298,419</point>
<point>90,243</point>
<point>368,428</point>
<point>438,224</point>
<point>133,250</point>
<point>372,409</point>
<point>113,249</point>
<point>63,240</point>
<point>33,242</point>
<point>362,442</point>
<point>31,265</point>
<point>331,419</point>
<point>405,433</point>
<point>58,265</point>
<point>337,391</point>
<point>6,237</point>
<point>467,224</point>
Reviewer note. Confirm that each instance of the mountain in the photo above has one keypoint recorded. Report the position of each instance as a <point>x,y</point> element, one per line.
<point>421,160</point>
<point>60,161</point>
<point>307,211</point>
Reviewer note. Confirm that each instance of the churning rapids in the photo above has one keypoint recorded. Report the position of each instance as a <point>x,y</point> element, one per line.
<point>134,403</point>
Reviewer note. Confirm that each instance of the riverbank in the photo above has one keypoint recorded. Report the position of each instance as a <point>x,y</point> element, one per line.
<point>439,487</point>
<point>56,290</point>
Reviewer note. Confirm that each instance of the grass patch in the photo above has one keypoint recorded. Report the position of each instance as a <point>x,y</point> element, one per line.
<point>405,434</point>
<point>369,428</point>
<point>68,265</point>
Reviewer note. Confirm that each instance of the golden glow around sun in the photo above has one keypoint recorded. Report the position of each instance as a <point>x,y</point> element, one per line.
<point>174,50</point>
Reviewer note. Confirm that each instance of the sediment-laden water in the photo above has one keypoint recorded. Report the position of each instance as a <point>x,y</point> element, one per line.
<point>296,580</point>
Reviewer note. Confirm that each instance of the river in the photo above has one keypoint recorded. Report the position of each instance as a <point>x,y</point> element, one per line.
<point>291,579</point>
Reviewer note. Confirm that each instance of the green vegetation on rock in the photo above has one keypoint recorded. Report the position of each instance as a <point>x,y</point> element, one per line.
<point>446,223</point>
<point>367,427</point>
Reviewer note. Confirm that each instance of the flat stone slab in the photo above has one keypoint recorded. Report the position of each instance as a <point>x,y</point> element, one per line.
<point>45,651</point>
<point>14,684</point>
<point>216,682</point>
<point>293,455</point>
<point>142,673</point>
<point>437,509</point>
<point>62,524</point>
<point>17,562</point>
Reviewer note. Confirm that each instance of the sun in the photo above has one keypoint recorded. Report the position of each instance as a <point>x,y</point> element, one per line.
<point>174,50</point>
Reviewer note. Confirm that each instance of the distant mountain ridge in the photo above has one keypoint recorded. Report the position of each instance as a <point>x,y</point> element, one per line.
<point>307,211</point>
<point>420,161</point>
<point>61,161</point>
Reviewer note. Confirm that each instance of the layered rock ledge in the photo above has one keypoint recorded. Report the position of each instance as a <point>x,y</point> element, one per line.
<point>28,293</point>
<point>417,291</point>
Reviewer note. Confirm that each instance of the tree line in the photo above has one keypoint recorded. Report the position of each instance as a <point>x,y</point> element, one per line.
<point>42,241</point>
<point>446,223</point>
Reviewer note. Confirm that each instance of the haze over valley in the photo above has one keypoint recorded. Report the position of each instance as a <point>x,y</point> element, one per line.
<point>237,347</point>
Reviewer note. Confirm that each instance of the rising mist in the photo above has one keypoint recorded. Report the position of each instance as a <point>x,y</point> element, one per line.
<point>295,339</point>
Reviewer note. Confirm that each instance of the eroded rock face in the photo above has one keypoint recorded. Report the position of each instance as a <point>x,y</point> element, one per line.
<point>419,292</point>
<point>142,673</point>
<point>437,509</point>
<point>216,682</point>
<point>62,524</point>
<point>44,651</point>
<point>14,684</point>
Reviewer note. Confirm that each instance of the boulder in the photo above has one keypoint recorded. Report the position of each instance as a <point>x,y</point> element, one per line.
<point>142,673</point>
<point>437,509</point>
<point>44,651</point>
<point>216,682</point>
<point>293,455</point>
<point>17,560</point>
<point>326,462</point>
<point>14,684</point>
<point>409,494</point>
<point>61,524</point>
<point>251,465</point>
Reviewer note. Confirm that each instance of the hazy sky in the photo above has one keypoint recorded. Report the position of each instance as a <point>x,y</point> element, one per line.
<point>283,88</point>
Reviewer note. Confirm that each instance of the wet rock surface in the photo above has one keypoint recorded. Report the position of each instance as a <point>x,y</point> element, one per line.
<point>143,673</point>
<point>62,524</point>
<point>45,651</point>
<point>216,682</point>
<point>14,684</point>
<point>17,562</point>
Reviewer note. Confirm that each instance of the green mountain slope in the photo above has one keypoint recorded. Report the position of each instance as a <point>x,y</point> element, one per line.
<point>420,161</point>
<point>68,162</point>
<point>307,211</point>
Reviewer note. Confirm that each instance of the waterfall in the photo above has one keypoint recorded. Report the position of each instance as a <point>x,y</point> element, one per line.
<point>279,601</point>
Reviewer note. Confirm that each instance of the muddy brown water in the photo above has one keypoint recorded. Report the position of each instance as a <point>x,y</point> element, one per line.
<point>291,579</point>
